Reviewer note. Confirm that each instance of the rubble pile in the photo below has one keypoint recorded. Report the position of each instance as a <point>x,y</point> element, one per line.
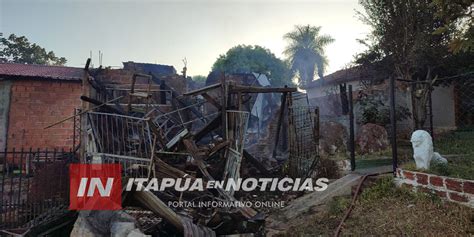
<point>157,131</point>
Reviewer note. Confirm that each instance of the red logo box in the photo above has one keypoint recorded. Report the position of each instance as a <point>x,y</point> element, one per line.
<point>95,187</point>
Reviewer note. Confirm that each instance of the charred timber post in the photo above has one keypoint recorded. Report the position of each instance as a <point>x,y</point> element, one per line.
<point>162,92</point>
<point>393,124</point>
<point>254,89</point>
<point>85,106</point>
<point>223,105</point>
<point>351,130</point>
<point>430,104</point>
<point>280,118</point>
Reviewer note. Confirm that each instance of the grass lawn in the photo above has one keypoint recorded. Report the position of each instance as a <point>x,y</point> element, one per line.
<point>458,142</point>
<point>458,147</point>
<point>383,209</point>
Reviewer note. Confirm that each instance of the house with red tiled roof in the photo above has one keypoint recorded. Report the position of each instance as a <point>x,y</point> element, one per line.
<point>33,97</point>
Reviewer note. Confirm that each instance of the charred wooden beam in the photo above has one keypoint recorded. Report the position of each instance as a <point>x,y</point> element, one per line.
<point>193,150</point>
<point>211,100</point>
<point>280,119</point>
<point>218,147</point>
<point>106,107</point>
<point>82,112</point>
<point>214,124</point>
<point>255,163</point>
<point>158,207</point>
<point>203,90</point>
<point>176,96</point>
<point>254,89</point>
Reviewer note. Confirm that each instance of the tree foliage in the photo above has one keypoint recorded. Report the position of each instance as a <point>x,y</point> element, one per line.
<point>402,32</point>
<point>247,59</point>
<point>199,78</point>
<point>306,52</point>
<point>458,19</point>
<point>18,49</point>
<point>402,38</point>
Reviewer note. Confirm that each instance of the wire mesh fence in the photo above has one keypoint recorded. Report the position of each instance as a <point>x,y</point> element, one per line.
<point>303,140</point>
<point>464,100</point>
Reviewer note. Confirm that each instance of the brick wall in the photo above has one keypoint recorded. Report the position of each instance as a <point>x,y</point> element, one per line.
<point>120,76</point>
<point>36,104</point>
<point>451,189</point>
<point>116,76</point>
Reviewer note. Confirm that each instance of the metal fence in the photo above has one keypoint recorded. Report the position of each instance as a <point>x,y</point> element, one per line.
<point>303,123</point>
<point>114,138</point>
<point>464,101</point>
<point>34,186</point>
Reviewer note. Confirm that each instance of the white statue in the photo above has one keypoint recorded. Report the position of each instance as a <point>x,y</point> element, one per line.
<point>423,150</point>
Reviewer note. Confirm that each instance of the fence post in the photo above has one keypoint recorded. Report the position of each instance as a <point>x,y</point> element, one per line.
<point>393,123</point>
<point>351,130</point>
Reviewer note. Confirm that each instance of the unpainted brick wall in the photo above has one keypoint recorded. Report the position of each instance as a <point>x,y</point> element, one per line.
<point>121,76</point>
<point>116,76</point>
<point>36,104</point>
<point>451,189</point>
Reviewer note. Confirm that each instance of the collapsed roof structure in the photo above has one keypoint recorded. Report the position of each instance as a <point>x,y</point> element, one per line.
<point>150,125</point>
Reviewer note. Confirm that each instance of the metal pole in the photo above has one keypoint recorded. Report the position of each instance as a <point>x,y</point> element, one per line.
<point>351,130</point>
<point>393,123</point>
<point>430,101</point>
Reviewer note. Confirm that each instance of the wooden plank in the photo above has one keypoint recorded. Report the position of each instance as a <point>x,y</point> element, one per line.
<point>84,107</point>
<point>215,123</point>
<point>193,150</point>
<point>218,147</point>
<point>102,104</point>
<point>202,90</point>
<point>84,111</point>
<point>256,163</point>
<point>254,89</point>
<point>211,100</point>
<point>158,207</point>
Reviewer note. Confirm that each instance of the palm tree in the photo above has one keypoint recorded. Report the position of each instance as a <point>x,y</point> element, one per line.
<point>306,52</point>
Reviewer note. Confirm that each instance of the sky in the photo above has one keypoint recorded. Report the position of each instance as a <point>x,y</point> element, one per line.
<point>166,32</point>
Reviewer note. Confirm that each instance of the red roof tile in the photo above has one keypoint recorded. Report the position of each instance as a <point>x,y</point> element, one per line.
<point>40,71</point>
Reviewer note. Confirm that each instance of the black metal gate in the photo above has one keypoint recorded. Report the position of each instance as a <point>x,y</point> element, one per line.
<point>34,186</point>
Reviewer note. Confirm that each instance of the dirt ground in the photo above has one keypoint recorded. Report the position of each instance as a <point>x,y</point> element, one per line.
<point>383,209</point>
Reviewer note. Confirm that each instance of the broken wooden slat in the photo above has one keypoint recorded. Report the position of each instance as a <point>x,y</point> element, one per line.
<point>203,90</point>
<point>254,89</point>
<point>214,124</point>
<point>154,204</point>
<point>218,147</point>
<point>256,163</point>
<point>211,100</point>
<point>103,105</point>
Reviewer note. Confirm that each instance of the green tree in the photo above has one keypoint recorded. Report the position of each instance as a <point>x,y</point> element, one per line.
<point>20,50</point>
<point>306,52</point>
<point>247,59</point>
<point>458,20</point>
<point>199,78</point>
<point>402,39</point>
